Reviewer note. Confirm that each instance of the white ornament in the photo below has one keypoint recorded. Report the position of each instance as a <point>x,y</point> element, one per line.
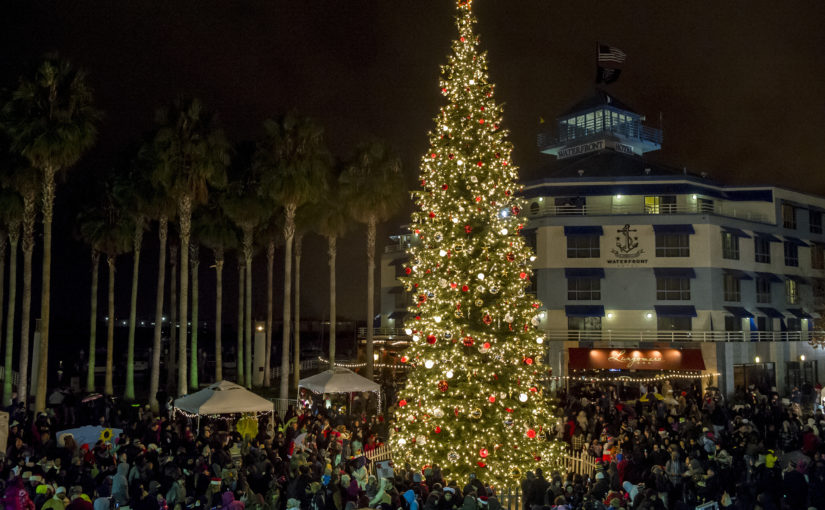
<point>443,253</point>
<point>429,363</point>
<point>472,81</point>
<point>402,441</point>
<point>504,231</point>
<point>416,338</point>
<point>508,317</point>
<point>438,413</point>
<point>437,319</point>
<point>523,397</point>
<point>539,340</point>
<point>449,374</point>
<point>408,331</point>
<point>480,276</point>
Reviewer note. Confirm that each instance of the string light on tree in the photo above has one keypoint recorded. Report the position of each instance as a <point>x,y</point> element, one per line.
<point>480,365</point>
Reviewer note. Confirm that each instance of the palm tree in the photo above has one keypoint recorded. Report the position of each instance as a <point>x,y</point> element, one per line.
<point>194,269</point>
<point>111,232</point>
<point>332,223</point>
<point>293,160</point>
<point>374,187</point>
<point>243,204</point>
<point>89,234</point>
<point>52,122</point>
<point>171,363</point>
<point>11,216</point>
<point>132,192</point>
<point>192,155</point>
<point>270,236</point>
<point>305,217</point>
<point>216,233</point>
<point>239,354</point>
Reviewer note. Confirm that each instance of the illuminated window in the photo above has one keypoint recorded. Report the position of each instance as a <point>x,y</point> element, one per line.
<point>791,291</point>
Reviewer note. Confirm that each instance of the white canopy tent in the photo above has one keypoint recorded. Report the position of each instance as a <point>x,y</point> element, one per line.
<point>339,380</point>
<point>223,397</point>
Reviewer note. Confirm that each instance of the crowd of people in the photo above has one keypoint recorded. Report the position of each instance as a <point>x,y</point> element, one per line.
<point>676,453</point>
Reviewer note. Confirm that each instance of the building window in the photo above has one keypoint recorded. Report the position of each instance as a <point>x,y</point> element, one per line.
<point>762,249</point>
<point>672,245</point>
<point>584,289</point>
<point>673,289</point>
<point>764,323</point>
<point>583,247</point>
<point>674,324</point>
<point>584,323</point>
<point>665,204</point>
<point>815,221</point>
<point>733,323</point>
<point>794,324</point>
<point>791,291</point>
<point>788,216</point>
<point>791,254</point>
<point>817,256</point>
<point>732,285</point>
<point>570,206</point>
<point>763,290</point>
<point>730,246</point>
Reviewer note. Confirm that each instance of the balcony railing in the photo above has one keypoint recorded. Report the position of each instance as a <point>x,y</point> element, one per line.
<point>545,208</point>
<point>680,336</point>
<point>626,129</point>
<point>641,335</point>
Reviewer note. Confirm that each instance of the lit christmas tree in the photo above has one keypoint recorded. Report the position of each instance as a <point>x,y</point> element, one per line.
<point>474,401</point>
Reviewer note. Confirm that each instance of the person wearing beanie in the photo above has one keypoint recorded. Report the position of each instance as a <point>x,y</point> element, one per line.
<point>58,502</point>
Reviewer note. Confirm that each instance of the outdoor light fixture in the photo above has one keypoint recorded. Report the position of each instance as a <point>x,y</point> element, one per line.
<point>649,315</point>
<point>756,359</point>
<point>375,357</point>
<point>610,315</point>
<point>801,357</point>
<point>618,197</point>
<point>693,197</point>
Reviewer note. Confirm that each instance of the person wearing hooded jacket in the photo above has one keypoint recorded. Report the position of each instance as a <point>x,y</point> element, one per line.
<point>411,503</point>
<point>120,485</point>
<point>229,502</point>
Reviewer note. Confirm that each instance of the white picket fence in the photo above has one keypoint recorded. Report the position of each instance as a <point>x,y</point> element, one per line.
<point>510,497</point>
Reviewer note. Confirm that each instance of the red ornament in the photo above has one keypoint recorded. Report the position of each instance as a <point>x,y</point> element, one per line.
<point>516,210</point>
<point>442,386</point>
<point>453,284</point>
<point>509,410</point>
<point>528,361</point>
<point>438,430</point>
<point>531,433</point>
<point>486,345</point>
<point>487,320</point>
<point>534,389</point>
<point>412,440</point>
<point>408,270</point>
<point>462,37</point>
<point>481,121</point>
<point>481,464</point>
<point>432,214</point>
<point>402,403</point>
<point>432,155</point>
<point>522,275</point>
<point>404,359</point>
<point>468,341</point>
<point>478,199</point>
<point>464,288</point>
<point>467,229</point>
<point>431,339</point>
<point>511,257</point>
<point>418,317</point>
<point>483,453</point>
<point>444,90</point>
<point>444,187</point>
<point>480,163</point>
<point>422,297</point>
<point>492,399</point>
<point>451,156</point>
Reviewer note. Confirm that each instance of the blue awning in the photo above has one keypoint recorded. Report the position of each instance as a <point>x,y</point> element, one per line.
<point>736,231</point>
<point>673,229</point>
<point>794,240</point>
<point>736,273</point>
<point>583,272</point>
<point>770,276</point>
<point>674,272</point>
<point>800,313</point>
<point>798,279</point>
<point>584,231</point>
<point>738,311</point>
<point>675,310</point>
<point>771,312</point>
<point>584,310</point>
<point>768,237</point>
<point>397,315</point>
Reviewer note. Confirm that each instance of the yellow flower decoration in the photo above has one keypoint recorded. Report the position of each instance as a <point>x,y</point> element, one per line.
<point>247,427</point>
<point>106,435</point>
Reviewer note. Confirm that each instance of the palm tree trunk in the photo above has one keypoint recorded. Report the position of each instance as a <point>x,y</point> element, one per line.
<point>247,254</point>
<point>137,242</point>
<point>239,357</point>
<point>270,270</point>
<point>185,214</point>
<point>194,265</point>
<point>108,387</point>
<point>29,216</point>
<point>154,377</point>
<point>289,233</point>
<point>171,367</point>
<point>14,239</point>
<point>332,250</point>
<point>90,372</point>
<point>370,294</point>
<point>296,314</point>
<point>218,314</point>
<point>46,287</point>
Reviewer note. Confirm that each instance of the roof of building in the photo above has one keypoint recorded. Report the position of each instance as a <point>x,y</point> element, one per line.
<point>607,163</point>
<point>600,98</point>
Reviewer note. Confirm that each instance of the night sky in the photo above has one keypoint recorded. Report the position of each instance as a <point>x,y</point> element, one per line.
<point>739,86</point>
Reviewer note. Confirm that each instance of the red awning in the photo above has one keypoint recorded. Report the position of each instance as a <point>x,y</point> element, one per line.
<point>635,359</point>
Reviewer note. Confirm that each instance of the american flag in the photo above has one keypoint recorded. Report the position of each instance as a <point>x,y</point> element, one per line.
<point>611,55</point>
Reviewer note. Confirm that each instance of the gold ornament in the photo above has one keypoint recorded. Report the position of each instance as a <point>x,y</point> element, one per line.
<point>476,414</point>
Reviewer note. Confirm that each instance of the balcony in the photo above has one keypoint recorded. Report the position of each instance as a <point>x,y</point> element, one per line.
<point>619,336</point>
<point>545,208</point>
